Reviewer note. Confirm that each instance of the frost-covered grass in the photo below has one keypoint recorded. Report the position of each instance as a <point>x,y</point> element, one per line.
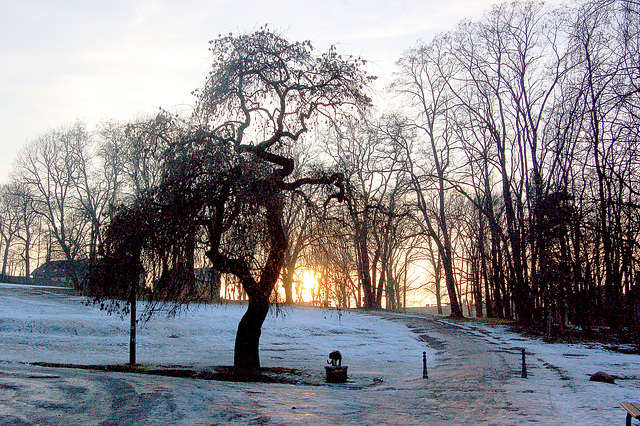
<point>55,328</point>
<point>43,326</point>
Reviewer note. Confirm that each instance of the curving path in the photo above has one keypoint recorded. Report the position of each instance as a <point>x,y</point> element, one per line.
<point>467,384</point>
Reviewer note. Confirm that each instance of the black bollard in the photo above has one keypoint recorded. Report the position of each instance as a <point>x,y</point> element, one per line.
<point>425,373</point>
<point>524,365</point>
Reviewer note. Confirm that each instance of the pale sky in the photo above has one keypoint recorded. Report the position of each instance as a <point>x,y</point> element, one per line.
<point>62,60</point>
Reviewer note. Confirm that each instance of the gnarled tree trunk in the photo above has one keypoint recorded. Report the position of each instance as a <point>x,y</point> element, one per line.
<point>247,348</point>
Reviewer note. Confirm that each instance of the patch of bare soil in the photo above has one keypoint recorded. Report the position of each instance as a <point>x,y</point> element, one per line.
<point>222,373</point>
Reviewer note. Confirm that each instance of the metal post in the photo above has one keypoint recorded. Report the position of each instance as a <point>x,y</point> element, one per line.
<point>524,365</point>
<point>425,373</point>
<point>132,325</point>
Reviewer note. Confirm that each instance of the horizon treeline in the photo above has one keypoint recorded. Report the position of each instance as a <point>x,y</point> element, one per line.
<point>502,179</point>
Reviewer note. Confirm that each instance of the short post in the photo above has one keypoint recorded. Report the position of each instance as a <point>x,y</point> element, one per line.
<point>524,365</point>
<point>425,373</point>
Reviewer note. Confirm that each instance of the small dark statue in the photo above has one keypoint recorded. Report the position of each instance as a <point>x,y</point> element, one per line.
<point>335,359</point>
<point>336,373</point>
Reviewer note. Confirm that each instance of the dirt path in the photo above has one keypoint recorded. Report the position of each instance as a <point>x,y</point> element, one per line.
<point>467,384</point>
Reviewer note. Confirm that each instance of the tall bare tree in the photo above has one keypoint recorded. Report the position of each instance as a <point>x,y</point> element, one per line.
<point>50,166</point>
<point>424,81</point>
<point>10,221</point>
<point>22,202</point>
<point>228,175</point>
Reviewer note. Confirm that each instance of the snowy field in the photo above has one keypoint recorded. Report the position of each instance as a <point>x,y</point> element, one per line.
<point>39,325</point>
<point>57,328</point>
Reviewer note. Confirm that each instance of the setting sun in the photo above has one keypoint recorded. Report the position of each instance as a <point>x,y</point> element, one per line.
<point>306,283</point>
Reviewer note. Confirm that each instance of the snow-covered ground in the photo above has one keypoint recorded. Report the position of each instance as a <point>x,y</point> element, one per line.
<point>558,377</point>
<point>57,328</point>
<point>39,325</point>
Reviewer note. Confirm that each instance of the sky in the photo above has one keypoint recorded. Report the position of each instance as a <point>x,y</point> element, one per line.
<point>97,60</point>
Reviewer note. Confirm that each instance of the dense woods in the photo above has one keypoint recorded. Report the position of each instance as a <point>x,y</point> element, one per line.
<point>502,179</point>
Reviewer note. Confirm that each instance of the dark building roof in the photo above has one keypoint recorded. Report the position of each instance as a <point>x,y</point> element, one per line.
<point>60,269</point>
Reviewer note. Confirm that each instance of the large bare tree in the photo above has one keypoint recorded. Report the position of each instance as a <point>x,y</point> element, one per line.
<point>424,82</point>
<point>50,167</point>
<point>228,174</point>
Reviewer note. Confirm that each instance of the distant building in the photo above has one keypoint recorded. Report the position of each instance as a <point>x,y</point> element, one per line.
<point>61,271</point>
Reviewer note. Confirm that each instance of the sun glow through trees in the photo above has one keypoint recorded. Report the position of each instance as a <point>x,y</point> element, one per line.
<point>306,283</point>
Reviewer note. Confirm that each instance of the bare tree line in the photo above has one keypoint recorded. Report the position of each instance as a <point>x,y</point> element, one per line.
<point>65,186</point>
<point>505,184</point>
<point>531,115</point>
